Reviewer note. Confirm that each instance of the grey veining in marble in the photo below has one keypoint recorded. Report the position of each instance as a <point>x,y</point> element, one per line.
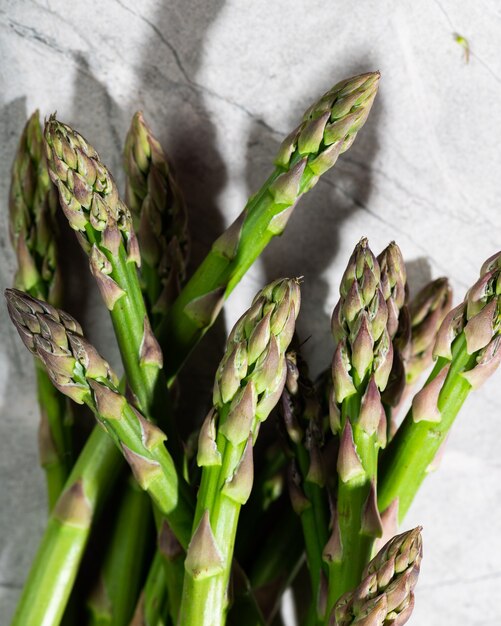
<point>221,82</point>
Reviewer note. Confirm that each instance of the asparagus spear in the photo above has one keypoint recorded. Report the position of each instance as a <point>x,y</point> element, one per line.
<point>328,129</point>
<point>386,594</point>
<point>301,416</point>
<point>32,206</point>
<point>361,365</point>
<point>249,382</point>
<point>90,201</point>
<point>78,371</point>
<point>468,351</point>
<point>159,216</point>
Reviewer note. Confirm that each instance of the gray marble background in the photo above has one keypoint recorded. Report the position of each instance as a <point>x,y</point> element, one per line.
<point>222,83</point>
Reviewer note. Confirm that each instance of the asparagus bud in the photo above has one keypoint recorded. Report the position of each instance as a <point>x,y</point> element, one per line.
<point>478,317</point>
<point>394,289</point>
<point>251,375</point>
<point>360,324</point>
<point>427,312</point>
<point>386,594</point>
<point>393,283</point>
<point>87,191</point>
<point>329,126</point>
<point>158,213</point>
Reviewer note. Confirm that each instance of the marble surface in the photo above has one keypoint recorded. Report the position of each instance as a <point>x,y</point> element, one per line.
<point>221,83</point>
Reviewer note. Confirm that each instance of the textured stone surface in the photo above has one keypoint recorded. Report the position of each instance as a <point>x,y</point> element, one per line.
<point>221,82</point>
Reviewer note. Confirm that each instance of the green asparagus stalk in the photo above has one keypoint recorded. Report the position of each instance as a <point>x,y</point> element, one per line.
<point>328,129</point>
<point>32,206</point>
<point>362,326</point>
<point>467,350</point>
<point>89,199</point>
<point>386,594</point>
<point>249,382</point>
<point>159,217</point>
<point>301,415</point>
<point>78,371</point>
<point>114,596</point>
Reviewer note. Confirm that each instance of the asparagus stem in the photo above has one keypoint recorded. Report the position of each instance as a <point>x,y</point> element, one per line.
<point>54,569</point>
<point>248,384</point>
<point>328,129</point>
<point>90,200</point>
<point>386,593</point>
<point>32,206</point>
<point>114,596</point>
<point>468,352</point>
<point>160,219</point>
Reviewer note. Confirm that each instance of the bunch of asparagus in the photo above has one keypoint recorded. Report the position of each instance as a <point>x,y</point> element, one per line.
<point>145,529</point>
